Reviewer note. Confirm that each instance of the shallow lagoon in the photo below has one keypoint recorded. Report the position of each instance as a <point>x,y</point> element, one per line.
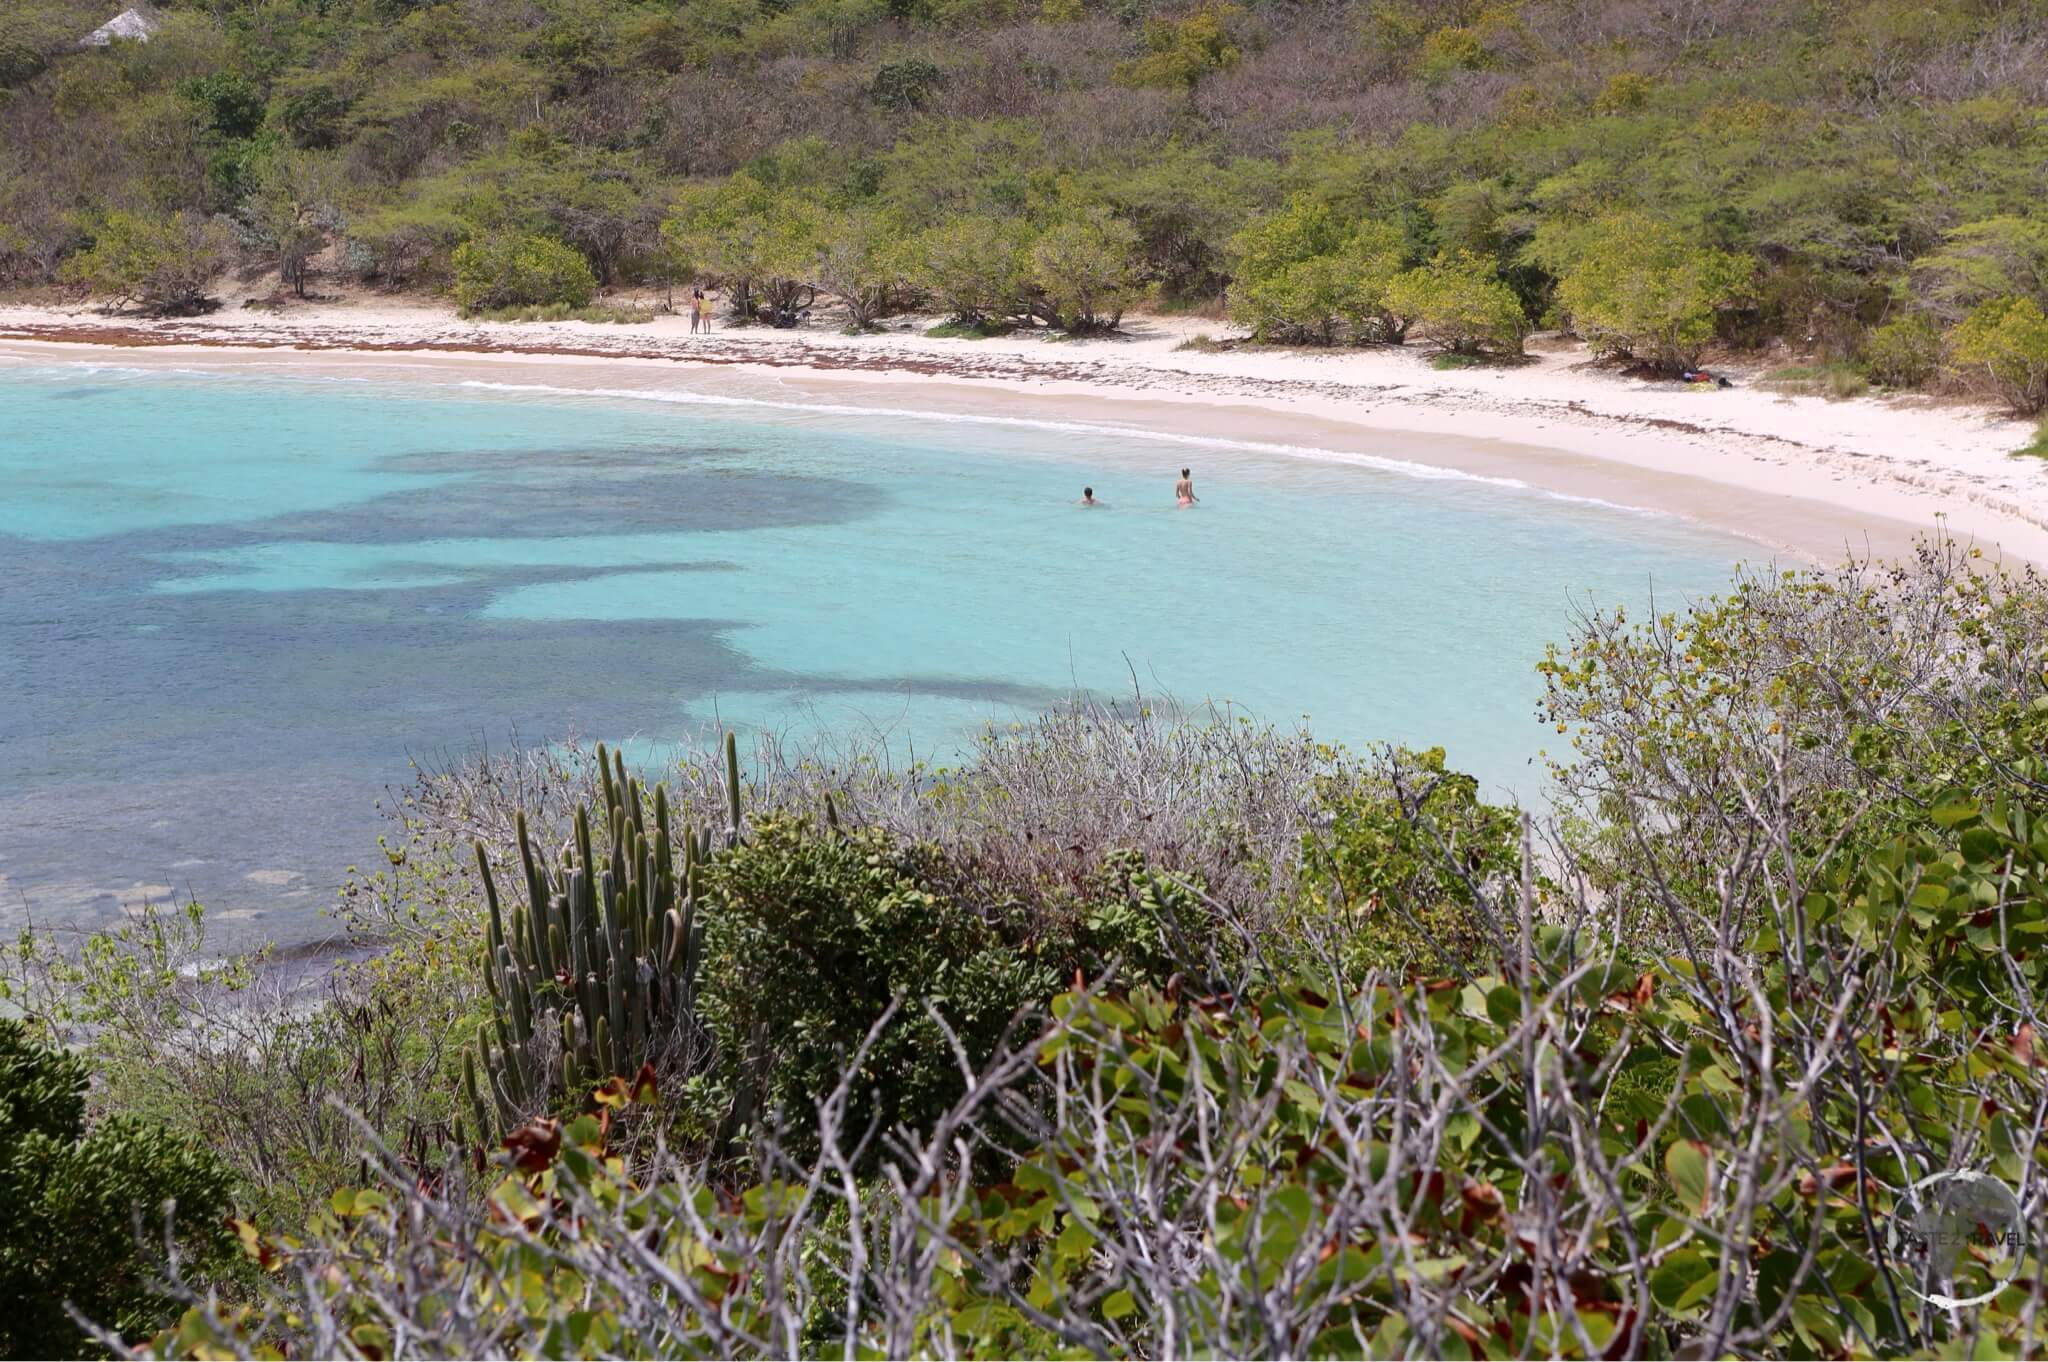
<point>233,608</point>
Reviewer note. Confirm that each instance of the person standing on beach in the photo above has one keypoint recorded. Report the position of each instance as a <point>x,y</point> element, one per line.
<point>704,309</point>
<point>1184,490</point>
<point>696,309</point>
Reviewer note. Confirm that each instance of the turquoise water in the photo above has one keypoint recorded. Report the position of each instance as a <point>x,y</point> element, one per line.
<point>232,609</point>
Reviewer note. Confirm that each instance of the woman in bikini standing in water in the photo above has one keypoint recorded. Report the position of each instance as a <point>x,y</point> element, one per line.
<point>1184,490</point>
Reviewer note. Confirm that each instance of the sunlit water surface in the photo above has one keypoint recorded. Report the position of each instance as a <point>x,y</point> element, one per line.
<point>233,609</point>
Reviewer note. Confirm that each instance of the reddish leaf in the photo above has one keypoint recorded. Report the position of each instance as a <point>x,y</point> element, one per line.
<point>1834,1177</point>
<point>535,1144</point>
<point>1473,1339</point>
<point>1482,1199</point>
<point>1624,1329</point>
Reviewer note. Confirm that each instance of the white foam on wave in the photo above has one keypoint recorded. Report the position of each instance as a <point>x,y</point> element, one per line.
<point>70,370</point>
<point>1407,468</point>
<point>65,371</point>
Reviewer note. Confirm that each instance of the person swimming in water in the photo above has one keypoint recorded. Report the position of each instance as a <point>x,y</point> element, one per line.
<point>1088,497</point>
<point>1184,490</point>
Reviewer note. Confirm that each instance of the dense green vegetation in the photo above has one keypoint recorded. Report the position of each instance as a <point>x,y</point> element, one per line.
<point>1860,178</point>
<point>1137,1035</point>
<point>83,1212</point>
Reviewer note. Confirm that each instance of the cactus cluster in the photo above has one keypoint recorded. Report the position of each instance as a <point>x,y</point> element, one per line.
<point>604,952</point>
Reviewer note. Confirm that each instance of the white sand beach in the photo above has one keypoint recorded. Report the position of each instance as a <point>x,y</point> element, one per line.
<point>1809,475</point>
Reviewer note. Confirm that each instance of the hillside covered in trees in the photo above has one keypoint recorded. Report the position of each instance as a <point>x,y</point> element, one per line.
<point>1859,178</point>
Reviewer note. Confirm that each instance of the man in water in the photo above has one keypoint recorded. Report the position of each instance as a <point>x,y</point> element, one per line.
<point>1088,497</point>
<point>1184,490</point>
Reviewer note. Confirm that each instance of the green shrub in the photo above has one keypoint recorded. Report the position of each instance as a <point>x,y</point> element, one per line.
<point>1460,300</point>
<point>312,110</point>
<point>70,1201</point>
<point>976,268</point>
<point>1180,52</point>
<point>1450,50</point>
<point>763,240</point>
<point>1401,864</point>
<point>977,330</point>
<point>810,935</point>
<point>1624,93</point>
<point>157,263</point>
<point>21,60</point>
<point>229,105</point>
<point>1637,287</point>
<point>2002,349</point>
<point>406,245</point>
<point>1903,353</point>
<point>906,86</point>
<point>1980,262</point>
<point>511,270</point>
<point>865,258</point>
<point>1306,273</point>
<point>1082,269</point>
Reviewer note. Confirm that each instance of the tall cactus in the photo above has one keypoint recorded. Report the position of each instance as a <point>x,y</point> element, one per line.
<point>605,951</point>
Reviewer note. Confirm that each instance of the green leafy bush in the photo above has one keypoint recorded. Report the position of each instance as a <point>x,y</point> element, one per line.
<point>1903,353</point>
<point>398,247</point>
<point>1830,688</point>
<point>762,240</point>
<point>1180,52</point>
<point>809,940</point>
<point>1978,262</point>
<point>1624,93</point>
<point>1638,287</point>
<point>1462,303</point>
<point>155,263</point>
<point>312,111</point>
<point>976,268</point>
<point>83,1213</point>
<point>21,60</point>
<point>1402,865</point>
<point>865,258</point>
<point>1308,273</point>
<point>2002,349</point>
<point>512,270</point>
<point>229,104</point>
<point>906,85</point>
<point>1082,269</point>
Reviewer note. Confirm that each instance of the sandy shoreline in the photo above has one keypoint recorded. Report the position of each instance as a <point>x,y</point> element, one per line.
<point>1800,474</point>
